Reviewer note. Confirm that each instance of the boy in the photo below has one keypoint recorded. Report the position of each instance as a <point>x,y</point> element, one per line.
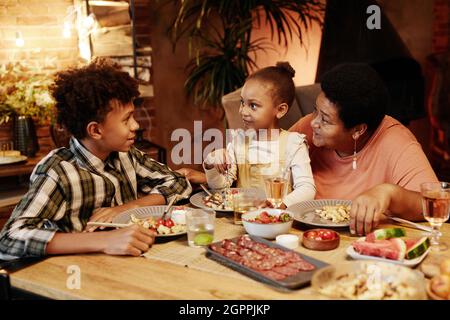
<point>96,178</point>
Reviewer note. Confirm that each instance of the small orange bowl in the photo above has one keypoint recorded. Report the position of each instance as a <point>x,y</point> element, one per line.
<point>320,239</point>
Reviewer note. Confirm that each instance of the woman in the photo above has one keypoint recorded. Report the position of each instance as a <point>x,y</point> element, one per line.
<point>356,148</point>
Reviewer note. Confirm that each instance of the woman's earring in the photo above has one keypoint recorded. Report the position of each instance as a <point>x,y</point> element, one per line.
<point>354,156</point>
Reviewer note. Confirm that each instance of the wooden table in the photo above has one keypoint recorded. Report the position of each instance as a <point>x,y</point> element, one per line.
<point>115,277</point>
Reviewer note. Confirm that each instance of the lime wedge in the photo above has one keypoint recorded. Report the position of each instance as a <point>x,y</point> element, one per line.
<point>203,239</point>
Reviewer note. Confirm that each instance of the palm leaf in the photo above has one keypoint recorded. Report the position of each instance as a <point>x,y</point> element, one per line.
<point>219,38</point>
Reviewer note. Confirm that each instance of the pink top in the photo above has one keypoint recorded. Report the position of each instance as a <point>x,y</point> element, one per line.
<point>392,155</point>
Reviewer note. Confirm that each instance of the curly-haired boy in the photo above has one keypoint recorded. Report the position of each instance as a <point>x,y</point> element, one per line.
<point>100,175</point>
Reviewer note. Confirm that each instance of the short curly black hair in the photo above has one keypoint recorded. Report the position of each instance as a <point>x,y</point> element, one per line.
<point>84,94</point>
<point>358,92</point>
<point>280,77</point>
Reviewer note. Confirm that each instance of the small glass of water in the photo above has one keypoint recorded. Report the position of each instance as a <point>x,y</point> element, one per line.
<point>436,209</point>
<point>200,227</point>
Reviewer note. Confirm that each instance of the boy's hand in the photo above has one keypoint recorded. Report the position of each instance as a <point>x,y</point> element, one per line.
<point>133,240</point>
<point>104,215</point>
<point>219,160</point>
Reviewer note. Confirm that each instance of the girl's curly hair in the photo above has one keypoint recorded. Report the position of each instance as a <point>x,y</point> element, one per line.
<point>84,94</point>
<point>280,77</point>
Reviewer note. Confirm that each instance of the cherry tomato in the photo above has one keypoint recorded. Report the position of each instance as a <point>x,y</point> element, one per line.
<point>328,235</point>
<point>311,234</point>
<point>159,222</point>
<point>318,238</point>
<point>169,223</point>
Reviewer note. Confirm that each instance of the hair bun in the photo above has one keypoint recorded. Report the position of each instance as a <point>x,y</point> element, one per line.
<point>287,67</point>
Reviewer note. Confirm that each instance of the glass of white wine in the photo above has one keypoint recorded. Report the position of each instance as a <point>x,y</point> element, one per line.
<point>276,188</point>
<point>436,209</point>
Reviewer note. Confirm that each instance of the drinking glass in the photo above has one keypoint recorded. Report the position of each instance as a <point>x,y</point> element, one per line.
<point>276,189</point>
<point>200,227</point>
<point>242,203</point>
<point>436,209</point>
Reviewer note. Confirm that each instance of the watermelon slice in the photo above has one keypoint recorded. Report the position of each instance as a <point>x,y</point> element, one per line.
<point>393,249</point>
<point>418,249</point>
<point>400,246</point>
<point>410,243</point>
<point>387,233</point>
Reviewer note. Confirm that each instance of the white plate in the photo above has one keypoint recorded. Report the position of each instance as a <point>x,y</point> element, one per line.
<point>146,212</point>
<point>10,160</point>
<point>305,212</point>
<point>197,199</point>
<point>405,262</point>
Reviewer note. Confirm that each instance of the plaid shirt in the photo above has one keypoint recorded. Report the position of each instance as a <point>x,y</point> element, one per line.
<point>69,184</point>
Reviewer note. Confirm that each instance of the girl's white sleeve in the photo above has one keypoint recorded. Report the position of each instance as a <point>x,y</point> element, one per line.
<point>297,156</point>
<point>214,178</point>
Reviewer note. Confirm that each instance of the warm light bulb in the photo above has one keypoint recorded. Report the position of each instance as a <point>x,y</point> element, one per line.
<point>19,40</point>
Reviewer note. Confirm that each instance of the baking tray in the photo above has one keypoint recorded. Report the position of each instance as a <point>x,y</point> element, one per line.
<point>301,279</point>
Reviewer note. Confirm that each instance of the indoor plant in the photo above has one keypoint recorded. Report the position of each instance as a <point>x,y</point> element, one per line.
<point>24,91</point>
<point>219,33</point>
<point>25,100</point>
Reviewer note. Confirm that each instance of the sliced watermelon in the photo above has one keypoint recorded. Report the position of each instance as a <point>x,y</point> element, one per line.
<point>393,249</point>
<point>400,247</point>
<point>410,243</point>
<point>378,248</point>
<point>418,249</point>
<point>387,233</point>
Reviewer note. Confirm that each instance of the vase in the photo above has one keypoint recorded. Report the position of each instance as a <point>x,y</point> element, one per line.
<point>25,139</point>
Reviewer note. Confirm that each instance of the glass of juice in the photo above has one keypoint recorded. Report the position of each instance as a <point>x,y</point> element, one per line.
<point>436,209</point>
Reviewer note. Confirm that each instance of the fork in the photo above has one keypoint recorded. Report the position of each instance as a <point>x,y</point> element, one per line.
<point>205,189</point>
<point>169,206</point>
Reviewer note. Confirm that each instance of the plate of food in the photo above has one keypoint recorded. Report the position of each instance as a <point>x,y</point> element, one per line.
<point>10,159</point>
<point>369,280</point>
<point>390,245</point>
<point>330,213</point>
<point>150,217</point>
<point>218,202</point>
<point>438,287</point>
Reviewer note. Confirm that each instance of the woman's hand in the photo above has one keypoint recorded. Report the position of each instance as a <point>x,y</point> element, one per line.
<point>218,159</point>
<point>133,240</point>
<point>368,208</point>
<point>192,175</point>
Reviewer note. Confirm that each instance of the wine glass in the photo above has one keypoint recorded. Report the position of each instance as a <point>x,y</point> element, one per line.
<point>436,209</point>
<point>276,187</point>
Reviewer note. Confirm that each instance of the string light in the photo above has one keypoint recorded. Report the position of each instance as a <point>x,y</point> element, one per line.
<point>19,40</point>
<point>75,19</point>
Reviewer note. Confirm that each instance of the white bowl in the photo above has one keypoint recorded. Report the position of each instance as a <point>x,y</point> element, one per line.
<point>266,230</point>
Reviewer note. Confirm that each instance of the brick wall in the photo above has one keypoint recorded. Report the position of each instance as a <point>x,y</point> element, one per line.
<point>41,24</point>
<point>145,114</point>
<point>441,25</point>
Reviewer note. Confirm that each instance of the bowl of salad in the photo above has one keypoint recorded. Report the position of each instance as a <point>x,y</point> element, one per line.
<point>267,223</point>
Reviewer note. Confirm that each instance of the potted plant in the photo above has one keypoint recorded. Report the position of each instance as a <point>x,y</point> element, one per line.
<point>219,33</point>
<point>25,98</point>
